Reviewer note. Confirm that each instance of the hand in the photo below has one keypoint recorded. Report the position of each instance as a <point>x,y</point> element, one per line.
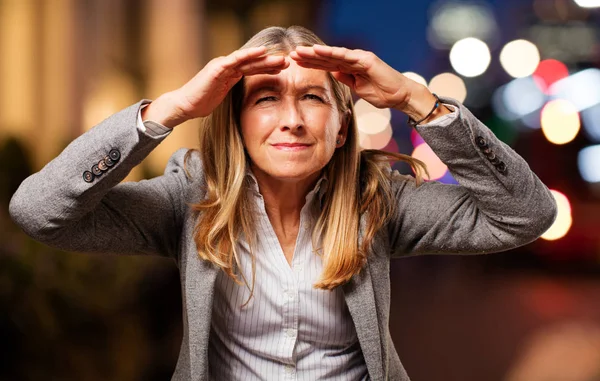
<point>207,89</point>
<point>369,77</point>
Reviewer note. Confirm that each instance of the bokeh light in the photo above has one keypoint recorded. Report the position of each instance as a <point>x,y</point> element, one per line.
<point>437,169</point>
<point>521,96</point>
<point>548,72</point>
<point>560,121</point>
<point>449,85</point>
<point>375,141</point>
<point>519,58</point>
<point>415,77</point>
<point>588,161</point>
<point>581,89</point>
<point>392,146</point>
<point>563,221</point>
<point>470,57</point>
<point>588,3</point>
<point>370,119</point>
<point>452,21</point>
<point>415,138</point>
<point>591,122</point>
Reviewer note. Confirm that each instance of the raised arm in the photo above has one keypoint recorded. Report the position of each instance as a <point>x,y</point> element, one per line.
<point>76,202</point>
<point>499,204</point>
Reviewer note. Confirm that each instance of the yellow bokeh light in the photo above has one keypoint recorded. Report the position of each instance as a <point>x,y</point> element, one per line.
<point>450,85</point>
<point>415,77</point>
<point>563,221</point>
<point>560,121</point>
<point>437,169</point>
<point>520,58</point>
<point>370,119</point>
<point>372,123</point>
<point>375,141</point>
<point>363,107</point>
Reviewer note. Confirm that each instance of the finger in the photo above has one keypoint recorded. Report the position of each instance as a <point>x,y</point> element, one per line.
<point>242,55</point>
<point>345,59</point>
<point>324,63</point>
<point>317,65</point>
<point>263,63</point>
<point>339,53</point>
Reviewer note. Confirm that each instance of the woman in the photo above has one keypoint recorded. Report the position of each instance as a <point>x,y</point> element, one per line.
<point>281,227</point>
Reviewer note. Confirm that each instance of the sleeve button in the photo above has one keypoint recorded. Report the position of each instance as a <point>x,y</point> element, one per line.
<point>480,141</point>
<point>114,154</point>
<point>96,171</point>
<point>102,165</point>
<point>501,166</point>
<point>108,161</point>
<point>88,177</point>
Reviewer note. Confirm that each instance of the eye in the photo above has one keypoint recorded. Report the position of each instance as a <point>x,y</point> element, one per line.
<point>313,97</point>
<point>264,99</point>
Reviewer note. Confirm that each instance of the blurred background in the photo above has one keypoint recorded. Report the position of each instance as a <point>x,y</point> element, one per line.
<point>529,69</point>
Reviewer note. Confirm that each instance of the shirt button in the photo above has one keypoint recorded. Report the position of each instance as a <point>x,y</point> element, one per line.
<point>289,369</point>
<point>291,332</point>
<point>289,294</point>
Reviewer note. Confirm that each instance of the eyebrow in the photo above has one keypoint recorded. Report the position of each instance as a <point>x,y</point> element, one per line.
<point>273,87</point>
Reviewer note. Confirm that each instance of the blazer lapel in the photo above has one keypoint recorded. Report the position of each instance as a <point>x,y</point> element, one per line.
<point>360,299</point>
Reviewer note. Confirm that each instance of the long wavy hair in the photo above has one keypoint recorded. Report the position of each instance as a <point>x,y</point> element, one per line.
<point>358,184</point>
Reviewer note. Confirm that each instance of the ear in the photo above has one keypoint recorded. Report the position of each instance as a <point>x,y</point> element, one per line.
<point>343,132</point>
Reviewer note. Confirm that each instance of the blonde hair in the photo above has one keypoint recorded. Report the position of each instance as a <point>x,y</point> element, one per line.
<point>358,183</point>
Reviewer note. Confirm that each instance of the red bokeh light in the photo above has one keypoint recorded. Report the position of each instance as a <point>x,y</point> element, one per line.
<point>548,72</point>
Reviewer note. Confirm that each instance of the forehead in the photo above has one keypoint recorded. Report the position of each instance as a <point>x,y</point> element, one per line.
<point>293,76</point>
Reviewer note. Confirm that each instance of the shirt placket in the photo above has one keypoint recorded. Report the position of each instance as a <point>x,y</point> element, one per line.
<point>291,298</point>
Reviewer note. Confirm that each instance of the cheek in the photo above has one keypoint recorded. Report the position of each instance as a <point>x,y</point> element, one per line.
<point>256,127</point>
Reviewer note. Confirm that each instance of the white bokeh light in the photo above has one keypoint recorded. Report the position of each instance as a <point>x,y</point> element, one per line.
<point>470,57</point>
<point>587,162</point>
<point>415,77</point>
<point>580,88</point>
<point>588,3</point>
<point>519,58</point>
<point>454,20</point>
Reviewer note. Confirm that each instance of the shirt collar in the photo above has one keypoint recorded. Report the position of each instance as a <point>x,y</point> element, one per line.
<point>319,189</point>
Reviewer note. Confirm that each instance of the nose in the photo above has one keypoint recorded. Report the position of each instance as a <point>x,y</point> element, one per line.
<point>291,117</point>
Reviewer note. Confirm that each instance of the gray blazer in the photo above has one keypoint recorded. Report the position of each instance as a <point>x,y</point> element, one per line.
<point>500,204</point>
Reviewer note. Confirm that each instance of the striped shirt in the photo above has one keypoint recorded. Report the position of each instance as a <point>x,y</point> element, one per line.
<point>288,330</point>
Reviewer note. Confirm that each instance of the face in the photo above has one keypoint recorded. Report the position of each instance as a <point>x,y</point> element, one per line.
<point>290,123</point>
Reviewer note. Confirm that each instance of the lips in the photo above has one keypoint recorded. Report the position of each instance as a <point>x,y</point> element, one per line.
<point>290,146</point>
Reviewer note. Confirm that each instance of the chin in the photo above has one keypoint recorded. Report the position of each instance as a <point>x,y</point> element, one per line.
<point>292,172</point>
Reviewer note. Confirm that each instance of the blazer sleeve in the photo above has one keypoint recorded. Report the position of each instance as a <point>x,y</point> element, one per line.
<point>499,203</point>
<point>63,206</point>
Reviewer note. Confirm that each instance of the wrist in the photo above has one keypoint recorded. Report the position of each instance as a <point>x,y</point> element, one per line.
<point>164,110</point>
<point>421,106</point>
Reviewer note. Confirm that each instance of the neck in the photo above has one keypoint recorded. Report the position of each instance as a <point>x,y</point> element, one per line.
<point>284,199</point>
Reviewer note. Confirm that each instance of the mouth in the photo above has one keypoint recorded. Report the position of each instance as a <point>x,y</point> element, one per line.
<point>292,147</point>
